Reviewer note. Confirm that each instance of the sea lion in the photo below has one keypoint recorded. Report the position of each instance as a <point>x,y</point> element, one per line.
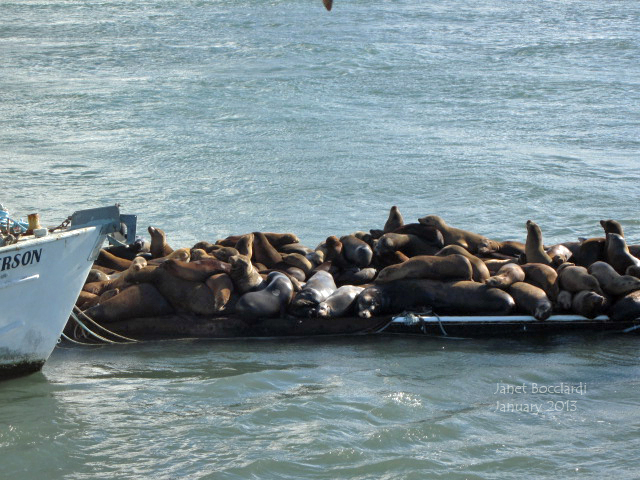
<point>410,245</point>
<point>225,253</point>
<point>575,279</point>
<point>269,301</point>
<point>611,226</point>
<point>534,249</point>
<point>588,303</point>
<point>295,248</point>
<point>627,308</point>
<point>222,288</point>
<point>356,251</point>
<point>559,254</point>
<point>317,289</point>
<point>617,253</point>
<point>611,281</point>
<point>244,274</point>
<point>86,300</point>
<point>480,270</point>
<point>450,267</point>
<point>96,275</point>
<point>634,250</point>
<point>591,250</point>
<point>277,240</point>
<point>564,300</point>
<point>118,280</point>
<point>531,299</point>
<point>389,258</point>
<point>394,221</point>
<point>109,260</point>
<point>454,298</point>
<point>129,252</point>
<point>456,236</point>
<point>197,271</point>
<point>365,237</point>
<point>340,303</point>
<point>244,246</point>
<point>542,276</point>
<point>633,271</point>
<point>264,252</point>
<point>429,234</point>
<point>508,274</point>
<point>332,249</point>
<point>495,264</point>
<point>356,276</point>
<point>299,261</point>
<point>510,248</point>
<point>136,301</point>
<point>159,247</point>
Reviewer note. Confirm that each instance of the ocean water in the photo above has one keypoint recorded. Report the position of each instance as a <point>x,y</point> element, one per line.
<point>210,118</point>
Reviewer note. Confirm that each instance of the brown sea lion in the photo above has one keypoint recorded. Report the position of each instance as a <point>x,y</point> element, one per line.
<point>588,303</point>
<point>394,221</point>
<point>591,250</point>
<point>390,258</point>
<point>355,276</point>
<point>542,276</point>
<point>611,226</point>
<point>269,301</point>
<point>299,261</point>
<point>410,245</point>
<point>96,275</point>
<point>109,260</point>
<point>508,274</point>
<point>559,254</point>
<point>356,251</point>
<point>86,300</point>
<point>445,298</point>
<point>611,281</point>
<point>264,252</point>
<point>456,236</point>
<point>634,250</point>
<point>480,270</point>
<point>429,234</point>
<point>222,288</point>
<point>244,274</point>
<point>495,264</point>
<point>633,270</point>
<point>137,301</point>
<point>339,304</point>
<point>206,246</point>
<point>531,299</point>
<point>618,255</point>
<point>159,246</point>
<point>450,267</point>
<point>197,271</point>
<point>564,300</point>
<point>244,246</point>
<point>626,308</point>
<point>332,248</point>
<point>295,248</point>
<point>510,248</point>
<point>534,249</point>
<point>575,279</point>
<point>225,253</point>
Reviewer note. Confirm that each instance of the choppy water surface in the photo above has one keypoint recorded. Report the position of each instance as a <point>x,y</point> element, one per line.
<point>208,118</point>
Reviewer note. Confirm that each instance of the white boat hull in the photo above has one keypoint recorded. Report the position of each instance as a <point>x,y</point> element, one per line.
<point>40,280</point>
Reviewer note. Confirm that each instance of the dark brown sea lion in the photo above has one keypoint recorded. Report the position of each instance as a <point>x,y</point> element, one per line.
<point>206,246</point>
<point>588,303</point>
<point>450,267</point>
<point>356,276</point>
<point>224,253</point>
<point>429,234</point>
<point>510,248</point>
<point>480,270</point>
<point>244,246</point>
<point>542,276</point>
<point>137,301</point>
<point>332,249</point>
<point>86,300</point>
<point>197,271</point>
<point>244,274</point>
<point>129,252</point>
<point>633,270</point>
<point>96,275</point>
<point>222,288</point>
<point>627,308</point>
<point>591,250</point>
<point>159,246</point>
<point>356,251</point>
<point>618,255</point>
<point>454,298</point>
<point>109,260</point>
<point>394,221</point>
<point>634,250</point>
<point>508,274</point>
<point>410,245</point>
<point>534,249</point>
<point>564,300</point>
<point>575,279</point>
<point>390,258</point>
<point>611,226</point>
<point>269,301</point>
<point>264,252</point>
<point>456,236</point>
<point>340,303</point>
<point>531,299</point>
<point>295,248</point>
<point>611,281</point>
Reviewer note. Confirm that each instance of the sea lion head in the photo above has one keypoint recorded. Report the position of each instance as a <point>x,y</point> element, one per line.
<point>432,221</point>
<point>369,302</point>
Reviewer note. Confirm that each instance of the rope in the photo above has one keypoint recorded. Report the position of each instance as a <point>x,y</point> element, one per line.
<point>93,322</point>
<point>86,329</point>
<point>62,335</point>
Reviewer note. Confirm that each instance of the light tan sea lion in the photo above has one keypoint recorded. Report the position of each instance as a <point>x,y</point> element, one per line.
<point>456,236</point>
<point>222,288</point>
<point>559,254</point>
<point>245,276</point>
<point>445,268</point>
<point>534,249</point>
<point>542,276</point>
<point>244,246</point>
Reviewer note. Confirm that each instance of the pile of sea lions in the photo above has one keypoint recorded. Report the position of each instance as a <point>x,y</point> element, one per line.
<point>415,267</point>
